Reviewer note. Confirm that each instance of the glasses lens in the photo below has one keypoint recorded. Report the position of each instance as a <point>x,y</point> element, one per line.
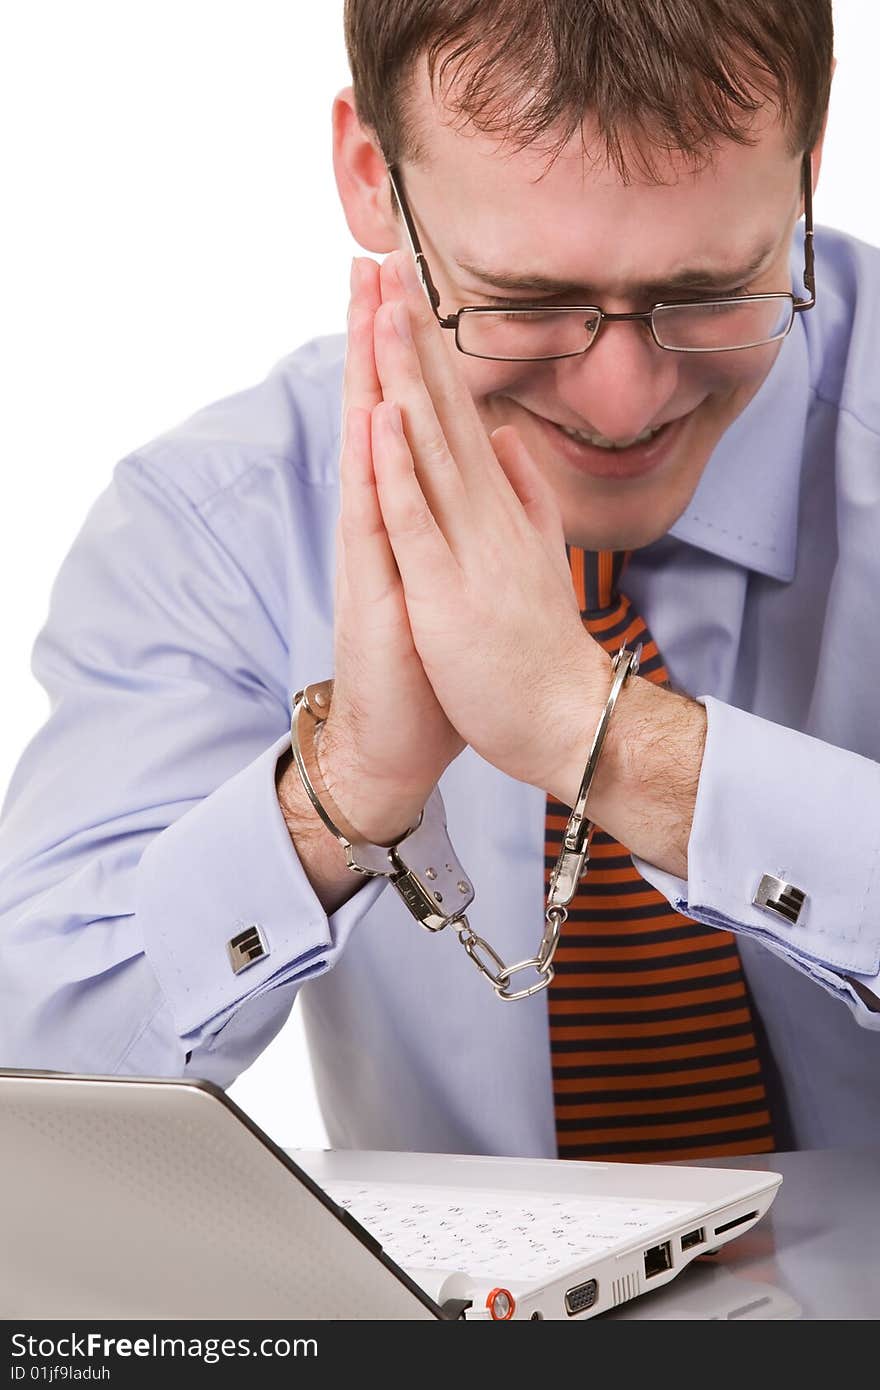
<point>721,324</point>
<point>522,335</point>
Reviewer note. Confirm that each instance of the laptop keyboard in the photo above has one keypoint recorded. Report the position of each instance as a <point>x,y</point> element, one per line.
<point>529,1234</point>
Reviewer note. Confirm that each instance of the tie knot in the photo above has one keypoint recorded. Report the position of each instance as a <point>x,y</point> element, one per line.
<point>596,576</point>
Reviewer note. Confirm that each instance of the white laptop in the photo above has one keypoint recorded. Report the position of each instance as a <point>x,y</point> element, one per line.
<point>156,1198</point>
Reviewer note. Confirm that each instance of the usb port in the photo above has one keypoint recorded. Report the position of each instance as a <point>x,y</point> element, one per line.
<point>693,1238</point>
<point>657,1259</point>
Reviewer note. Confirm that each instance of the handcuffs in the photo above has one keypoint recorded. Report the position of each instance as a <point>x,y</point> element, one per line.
<point>421,863</point>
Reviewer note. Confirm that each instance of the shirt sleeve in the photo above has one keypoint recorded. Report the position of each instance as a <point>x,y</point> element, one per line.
<point>772,800</point>
<point>141,831</point>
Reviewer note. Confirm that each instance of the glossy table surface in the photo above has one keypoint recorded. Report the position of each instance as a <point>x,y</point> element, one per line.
<point>815,1255</point>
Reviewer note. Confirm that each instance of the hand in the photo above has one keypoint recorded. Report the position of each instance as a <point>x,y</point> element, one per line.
<point>478,539</point>
<point>386,740</point>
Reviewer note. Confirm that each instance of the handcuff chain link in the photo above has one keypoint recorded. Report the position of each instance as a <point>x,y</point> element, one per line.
<point>500,979</point>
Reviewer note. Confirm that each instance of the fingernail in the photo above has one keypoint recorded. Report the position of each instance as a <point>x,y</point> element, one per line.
<point>354,275</point>
<point>400,319</point>
<point>408,273</point>
<point>392,262</point>
<point>393,418</point>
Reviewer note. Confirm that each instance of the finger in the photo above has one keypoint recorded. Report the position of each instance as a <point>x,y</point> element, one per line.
<point>536,496</point>
<point>360,385</point>
<point>370,569</point>
<point>339,583</point>
<point>400,374</point>
<point>459,420</point>
<point>424,558</point>
<point>361,390</point>
<point>534,493</point>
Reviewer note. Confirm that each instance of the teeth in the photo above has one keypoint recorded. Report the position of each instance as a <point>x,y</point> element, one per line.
<point>603,442</point>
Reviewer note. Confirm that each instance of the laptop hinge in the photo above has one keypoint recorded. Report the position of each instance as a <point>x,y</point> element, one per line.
<point>454,1307</point>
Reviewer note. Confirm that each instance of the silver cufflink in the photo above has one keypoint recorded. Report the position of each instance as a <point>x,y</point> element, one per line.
<point>246,948</point>
<point>775,895</point>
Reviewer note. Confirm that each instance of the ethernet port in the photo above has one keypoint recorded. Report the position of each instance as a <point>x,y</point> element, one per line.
<point>657,1259</point>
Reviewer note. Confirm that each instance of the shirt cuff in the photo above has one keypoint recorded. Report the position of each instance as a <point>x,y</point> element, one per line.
<point>226,866</point>
<point>775,801</point>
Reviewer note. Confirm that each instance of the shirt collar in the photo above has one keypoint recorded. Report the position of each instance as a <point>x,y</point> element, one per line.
<point>745,507</point>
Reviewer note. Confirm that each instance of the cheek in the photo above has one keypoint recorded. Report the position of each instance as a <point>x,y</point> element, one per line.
<point>495,384</point>
<point>486,379</point>
<point>731,375</point>
<point>722,374</point>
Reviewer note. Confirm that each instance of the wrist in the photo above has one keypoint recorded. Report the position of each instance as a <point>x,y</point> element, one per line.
<point>321,855</point>
<point>377,807</point>
<point>645,789</point>
<point>576,722</point>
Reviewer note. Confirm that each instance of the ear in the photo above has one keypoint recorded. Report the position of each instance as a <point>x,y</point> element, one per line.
<point>361,179</point>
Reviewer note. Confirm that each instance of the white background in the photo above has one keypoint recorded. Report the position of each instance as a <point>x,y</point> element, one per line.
<point>171,228</point>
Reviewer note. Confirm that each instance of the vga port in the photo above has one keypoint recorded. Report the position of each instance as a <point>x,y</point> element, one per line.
<point>581,1296</point>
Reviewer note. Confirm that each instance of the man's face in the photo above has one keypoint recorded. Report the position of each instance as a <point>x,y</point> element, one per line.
<point>623,247</point>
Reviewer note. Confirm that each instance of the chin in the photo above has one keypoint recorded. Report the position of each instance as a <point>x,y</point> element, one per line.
<point>619,536</point>
<point>627,520</point>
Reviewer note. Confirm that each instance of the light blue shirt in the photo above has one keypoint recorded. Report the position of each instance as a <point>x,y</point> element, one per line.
<point>141,830</point>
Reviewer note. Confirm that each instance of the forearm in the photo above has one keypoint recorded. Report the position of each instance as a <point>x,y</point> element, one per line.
<point>645,787</point>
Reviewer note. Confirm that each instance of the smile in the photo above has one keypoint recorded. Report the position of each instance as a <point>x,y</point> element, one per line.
<point>589,452</point>
<point>601,441</point>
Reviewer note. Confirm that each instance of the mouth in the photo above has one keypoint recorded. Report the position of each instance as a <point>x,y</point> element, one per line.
<point>601,457</point>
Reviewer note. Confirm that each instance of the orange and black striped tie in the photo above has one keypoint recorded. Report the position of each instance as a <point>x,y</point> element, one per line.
<point>652,1040</point>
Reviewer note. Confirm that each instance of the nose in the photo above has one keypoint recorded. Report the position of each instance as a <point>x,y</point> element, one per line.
<point>620,385</point>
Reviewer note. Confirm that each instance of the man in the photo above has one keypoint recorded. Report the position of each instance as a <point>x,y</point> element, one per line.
<point>688,460</point>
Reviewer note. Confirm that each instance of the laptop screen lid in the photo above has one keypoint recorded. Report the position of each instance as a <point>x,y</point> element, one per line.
<point>158,1198</point>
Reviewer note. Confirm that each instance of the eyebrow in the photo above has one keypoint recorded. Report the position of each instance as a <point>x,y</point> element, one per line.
<point>696,278</point>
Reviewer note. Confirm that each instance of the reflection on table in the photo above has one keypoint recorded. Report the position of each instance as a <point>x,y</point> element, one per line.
<point>815,1255</point>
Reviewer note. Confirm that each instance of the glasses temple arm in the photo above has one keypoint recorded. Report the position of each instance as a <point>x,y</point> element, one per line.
<point>809,267</point>
<point>430,288</point>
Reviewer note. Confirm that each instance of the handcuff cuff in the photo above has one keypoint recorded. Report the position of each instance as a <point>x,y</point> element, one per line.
<point>421,863</point>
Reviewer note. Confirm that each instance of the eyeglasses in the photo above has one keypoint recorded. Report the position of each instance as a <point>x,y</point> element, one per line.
<point>543,332</point>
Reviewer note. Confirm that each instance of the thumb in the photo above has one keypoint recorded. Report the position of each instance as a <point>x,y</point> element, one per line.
<point>535,494</point>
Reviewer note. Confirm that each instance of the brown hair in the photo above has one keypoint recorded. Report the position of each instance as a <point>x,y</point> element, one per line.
<point>655,75</point>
